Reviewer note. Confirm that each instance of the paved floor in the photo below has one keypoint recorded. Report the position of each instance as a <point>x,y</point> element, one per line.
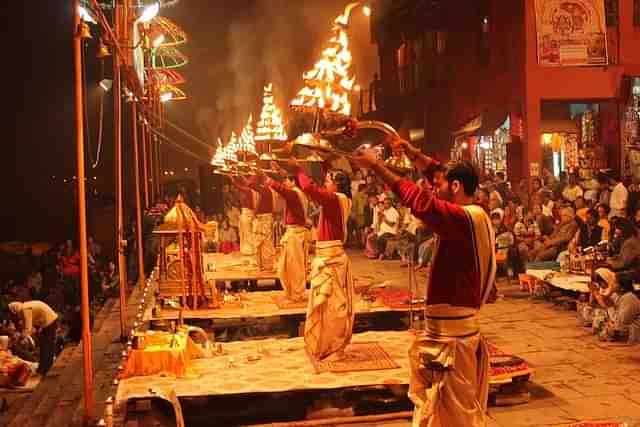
<point>578,378</point>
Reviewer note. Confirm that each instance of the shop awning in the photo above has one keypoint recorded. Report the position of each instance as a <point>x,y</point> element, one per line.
<point>558,126</point>
<point>484,125</point>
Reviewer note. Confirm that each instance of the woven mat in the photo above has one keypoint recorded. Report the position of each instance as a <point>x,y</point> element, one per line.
<point>284,304</point>
<point>594,424</point>
<point>359,356</point>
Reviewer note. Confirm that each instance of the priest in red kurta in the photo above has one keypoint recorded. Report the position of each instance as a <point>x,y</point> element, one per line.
<point>292,264</point>
<point>330,312</point>
<point>263,224</point>
<point>248,205</point>
<point>449,360</point>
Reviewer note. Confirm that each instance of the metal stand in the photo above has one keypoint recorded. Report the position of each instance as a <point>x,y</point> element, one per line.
<point>413,284</point>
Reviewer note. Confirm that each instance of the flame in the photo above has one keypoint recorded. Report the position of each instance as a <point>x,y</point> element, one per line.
<point>219,156</point>
<point>270,125</point>
<point>328,84</point>
<point>247,143</point>
<point>231,149</point>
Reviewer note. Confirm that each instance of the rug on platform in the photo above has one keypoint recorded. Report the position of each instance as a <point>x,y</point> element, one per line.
<point>594,424</point>
<point>284,304</point>
<point>394,298</point>
<point>359,356</point>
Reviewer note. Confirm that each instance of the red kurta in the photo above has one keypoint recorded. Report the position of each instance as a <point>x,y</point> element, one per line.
<point>265,201</point>
<point>455,279</point>
<point>295,211</point>
<point>331,224</point>
<point>246,194</point>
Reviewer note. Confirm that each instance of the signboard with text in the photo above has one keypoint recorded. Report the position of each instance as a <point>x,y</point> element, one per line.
<point>571,32</point>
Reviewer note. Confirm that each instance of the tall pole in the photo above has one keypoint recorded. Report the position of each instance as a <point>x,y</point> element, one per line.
<point>145,170</point>
<point>136,173</point>
<point>82,221</point>
<point>117,123</point>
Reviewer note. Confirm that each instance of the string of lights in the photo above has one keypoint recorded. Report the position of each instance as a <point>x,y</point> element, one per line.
<point>163,4</point>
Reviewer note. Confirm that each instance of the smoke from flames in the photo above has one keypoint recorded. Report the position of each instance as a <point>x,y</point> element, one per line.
<point>236,47</point>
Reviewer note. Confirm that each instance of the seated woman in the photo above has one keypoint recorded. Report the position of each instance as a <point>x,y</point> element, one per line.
<point>624,323</point>
<point>594,312</point>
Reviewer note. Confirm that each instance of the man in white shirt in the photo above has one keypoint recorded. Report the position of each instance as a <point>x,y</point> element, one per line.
<point>37,316</point>
<point>388,225</point>
<point>618,200</point>
<point>572,191</point>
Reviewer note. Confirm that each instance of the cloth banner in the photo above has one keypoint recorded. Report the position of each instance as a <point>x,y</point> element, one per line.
<point>571,32</point>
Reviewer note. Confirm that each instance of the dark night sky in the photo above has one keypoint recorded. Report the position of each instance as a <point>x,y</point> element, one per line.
<point>234,48</point>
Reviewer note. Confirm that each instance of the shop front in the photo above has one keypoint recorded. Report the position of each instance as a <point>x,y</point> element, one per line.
<point>483,141</point>
<point>572,139</point>
<point>630,124</point>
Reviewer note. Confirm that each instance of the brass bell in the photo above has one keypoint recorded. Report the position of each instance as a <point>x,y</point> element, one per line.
<point>83,31</point>
<point>103,50</point>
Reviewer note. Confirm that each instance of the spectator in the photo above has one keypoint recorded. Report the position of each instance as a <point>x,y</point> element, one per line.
<point>572,191</point>
<point>618,199</point>
<point>527,238</point>
<point>581,208</point>
<point>388,222</point>
<point>625,322</point>
<point>589,233</point>
<point>629,255</point>
<point>36,316</point>
<point>603,220</point>
<point>559,239</point>
<point>502,187</point>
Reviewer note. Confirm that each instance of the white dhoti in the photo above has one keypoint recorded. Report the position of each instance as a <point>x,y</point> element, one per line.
<point>292,265</point>
<point>247,244</point>
<point>449,370</point>
<point>265,251</point>
<point>330,313</point>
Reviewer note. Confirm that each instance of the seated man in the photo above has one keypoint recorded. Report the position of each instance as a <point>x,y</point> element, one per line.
<point>624,324</point>
<point>388,221</point>
<point>588,234</point>
<point>629,255</point>
<point>594,312</point>
<point>559,239</point>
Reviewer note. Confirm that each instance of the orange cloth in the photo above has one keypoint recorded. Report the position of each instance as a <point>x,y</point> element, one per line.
<point>158,357</point>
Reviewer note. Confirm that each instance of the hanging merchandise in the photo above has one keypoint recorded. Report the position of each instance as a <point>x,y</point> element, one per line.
<point>571,150</point>
<point>631,136</point>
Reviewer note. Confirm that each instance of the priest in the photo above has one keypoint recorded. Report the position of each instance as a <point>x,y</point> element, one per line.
<point>292,264</point>
<point>248,204</point>
<point>449,361</point>
<point>263,224</point>
<point>330,311</point>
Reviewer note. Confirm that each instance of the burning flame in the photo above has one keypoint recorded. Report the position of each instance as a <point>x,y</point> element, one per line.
<point>231,149</point>
<point>270,125</point>
<point>247,143</point>
<point>219,156</point>
<point>328,84</point>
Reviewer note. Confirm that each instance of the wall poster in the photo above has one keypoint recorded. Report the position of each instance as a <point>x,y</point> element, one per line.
<point>571,32</point>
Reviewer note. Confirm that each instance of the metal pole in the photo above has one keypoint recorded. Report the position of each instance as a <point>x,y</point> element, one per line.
<point>117,123</point>
<point>136,173</point>
<point>82,222</point>
<point>145,171</point>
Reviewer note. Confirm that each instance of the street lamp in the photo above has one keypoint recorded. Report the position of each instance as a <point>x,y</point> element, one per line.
<point>149,13</point>
<point>86,16</point>
<point>106,84</point>
<point>167,96</point>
